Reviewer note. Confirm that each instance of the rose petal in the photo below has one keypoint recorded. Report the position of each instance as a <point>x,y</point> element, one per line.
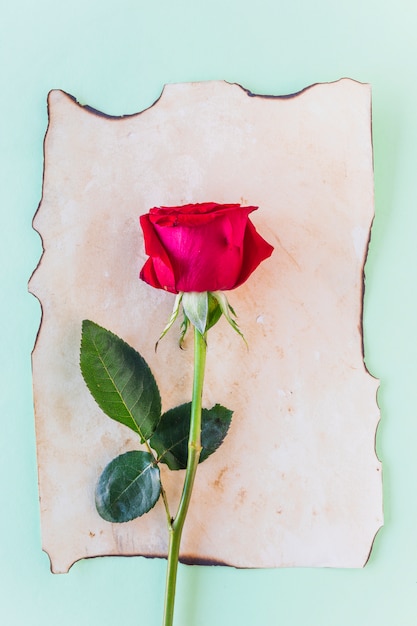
<point>256,251</point>
<point>201,247</point>
<point>157,271</point>
<point>207,257</point>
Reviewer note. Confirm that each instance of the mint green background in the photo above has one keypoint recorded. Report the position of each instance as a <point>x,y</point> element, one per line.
<point>116,56</point>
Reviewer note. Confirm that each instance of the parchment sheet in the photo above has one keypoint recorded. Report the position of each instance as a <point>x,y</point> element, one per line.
<point>297,481</point>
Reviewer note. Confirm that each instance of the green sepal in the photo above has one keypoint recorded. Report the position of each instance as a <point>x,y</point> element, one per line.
<point>128,487</point>
<point>184,327</point>
<point>174,315</point>
<point>196,308</point>
<point>214,311</point>
<point>170,440</point>
<point>119,380</point>
<point>227,311</point>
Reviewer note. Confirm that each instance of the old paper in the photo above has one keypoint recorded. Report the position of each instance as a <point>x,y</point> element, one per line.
<point>297,481</point>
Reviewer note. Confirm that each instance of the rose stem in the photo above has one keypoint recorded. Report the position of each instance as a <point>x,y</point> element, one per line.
<point>194,449</point>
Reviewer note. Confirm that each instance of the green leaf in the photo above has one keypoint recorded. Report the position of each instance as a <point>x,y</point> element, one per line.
<point>119,380</point>
<point>170,439</point>
<point>215,423</point>
<point>128,487</point>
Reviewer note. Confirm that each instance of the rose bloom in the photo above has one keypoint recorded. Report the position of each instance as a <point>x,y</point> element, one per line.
<point>201,247</point>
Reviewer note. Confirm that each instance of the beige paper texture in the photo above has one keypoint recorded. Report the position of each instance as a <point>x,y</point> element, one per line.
<point>297,481</point>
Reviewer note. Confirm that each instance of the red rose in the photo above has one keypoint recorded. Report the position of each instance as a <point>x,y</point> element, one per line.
<point>201,247</point>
